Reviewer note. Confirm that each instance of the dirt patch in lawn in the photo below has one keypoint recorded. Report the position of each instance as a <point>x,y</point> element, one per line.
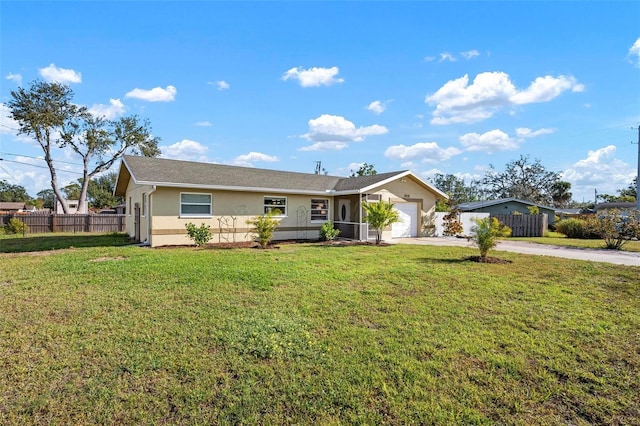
<point>487,259</point>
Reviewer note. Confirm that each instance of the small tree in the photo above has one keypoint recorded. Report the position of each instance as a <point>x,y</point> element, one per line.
<point>264,227</point>
<point>616,227</point>
<point>379,215</point>
<point>328,232</point>
<point>533,209</point>
<point>486,233</point>
<point>199,235</point>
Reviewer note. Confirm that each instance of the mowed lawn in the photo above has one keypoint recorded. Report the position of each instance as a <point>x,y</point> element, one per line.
<point>310,334</point>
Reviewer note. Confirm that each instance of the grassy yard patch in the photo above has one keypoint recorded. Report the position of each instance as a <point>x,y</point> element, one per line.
<point>561,240</point>
<point>316,334</point>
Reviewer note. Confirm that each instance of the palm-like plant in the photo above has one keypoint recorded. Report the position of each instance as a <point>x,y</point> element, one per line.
<point>379,215</point>
<point>486,233</point>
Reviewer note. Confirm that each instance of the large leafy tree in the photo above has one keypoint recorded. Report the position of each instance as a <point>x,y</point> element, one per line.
<point>45,111</point>
<point>522,179</point>
<point>456,188</point>
<point>560,193</point>
<point>9,192</point>
<point>47,198</point>
<point>100,191</point>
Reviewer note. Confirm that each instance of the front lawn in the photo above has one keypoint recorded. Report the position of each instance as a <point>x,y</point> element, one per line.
<point>303,334</point>
<point>560,240</point>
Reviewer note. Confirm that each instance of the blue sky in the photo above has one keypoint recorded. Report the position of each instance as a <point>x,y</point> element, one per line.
<point>435,87</point>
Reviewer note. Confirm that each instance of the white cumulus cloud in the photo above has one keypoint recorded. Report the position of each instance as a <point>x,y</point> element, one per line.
<point>114,109</point>
<point>600,171</point>
<point>634,53</point>
<point>313,77</point>
<point>325,146</point>
<point>335,132</point>
<point>15,77</point>
<point>247,160</point>
<point>490,142</point>
<point>458,101</point>
<point>185,150</point>
<point>157,94</point>
<point>7,124</point>
<point>544,89</point>
<point>203,123</point>
<point>377,107</point>
<point>60,75</point>
<point>427,152</point>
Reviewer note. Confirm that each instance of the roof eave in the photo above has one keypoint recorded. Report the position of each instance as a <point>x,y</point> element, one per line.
<point>236,188</point>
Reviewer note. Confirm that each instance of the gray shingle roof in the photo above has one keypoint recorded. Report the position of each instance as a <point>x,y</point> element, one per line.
<point>472,205</point>
<point>165,172</point>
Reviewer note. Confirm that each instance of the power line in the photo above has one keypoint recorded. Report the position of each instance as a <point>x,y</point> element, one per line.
<point>39,158</point>
<point>40,167</point>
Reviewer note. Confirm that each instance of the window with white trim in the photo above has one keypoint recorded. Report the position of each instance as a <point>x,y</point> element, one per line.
<point>278,204</point>
<point>130,210</point>
<point>195,204</point>
<point>144,204</point>
<point>319,209</point>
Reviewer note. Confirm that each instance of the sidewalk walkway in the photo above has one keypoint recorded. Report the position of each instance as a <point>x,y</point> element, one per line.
<point>524,247</point>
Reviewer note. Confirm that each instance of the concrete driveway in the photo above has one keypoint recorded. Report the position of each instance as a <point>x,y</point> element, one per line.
<point>524,247</point>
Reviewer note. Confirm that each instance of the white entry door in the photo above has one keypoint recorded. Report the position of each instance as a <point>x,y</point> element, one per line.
<point>408,227</point>
<point>344,210</point>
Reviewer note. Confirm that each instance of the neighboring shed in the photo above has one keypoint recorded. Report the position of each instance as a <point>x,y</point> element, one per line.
<point>162,196</point>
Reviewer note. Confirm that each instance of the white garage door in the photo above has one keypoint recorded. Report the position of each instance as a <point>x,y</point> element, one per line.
<point>408,227</point>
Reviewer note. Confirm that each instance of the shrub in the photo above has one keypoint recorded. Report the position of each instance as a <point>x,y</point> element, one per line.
<point>486,233</point>
<point>328,232</point>
<point>199,235</point>
<point>264,226</point>
<point>16,226</point>
<point>615,227</point>
<point>533,209</point>
<point>575,228</point>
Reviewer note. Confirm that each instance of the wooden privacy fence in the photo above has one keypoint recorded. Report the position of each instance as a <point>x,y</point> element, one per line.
<point>524,225</point>
<point>39,223</point>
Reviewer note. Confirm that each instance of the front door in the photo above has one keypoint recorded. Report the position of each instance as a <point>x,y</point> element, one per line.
<point>344,210</point>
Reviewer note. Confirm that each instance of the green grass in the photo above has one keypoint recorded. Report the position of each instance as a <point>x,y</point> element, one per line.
<point>12,243</point>
<point>316,334</point>
<point>557,239</point>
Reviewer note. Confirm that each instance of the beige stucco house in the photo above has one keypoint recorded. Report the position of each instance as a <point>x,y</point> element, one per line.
<point>163,195</point>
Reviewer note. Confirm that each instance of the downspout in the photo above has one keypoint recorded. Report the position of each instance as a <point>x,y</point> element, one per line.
<point>153,189</point>
<point>366,238</point>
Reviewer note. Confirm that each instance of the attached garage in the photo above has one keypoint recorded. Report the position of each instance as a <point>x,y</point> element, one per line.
<point>408,227</point>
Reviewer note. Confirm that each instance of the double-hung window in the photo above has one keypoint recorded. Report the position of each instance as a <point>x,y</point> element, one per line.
<point>319,209</point>
<point>195,204</point>
<point>275,204</point>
